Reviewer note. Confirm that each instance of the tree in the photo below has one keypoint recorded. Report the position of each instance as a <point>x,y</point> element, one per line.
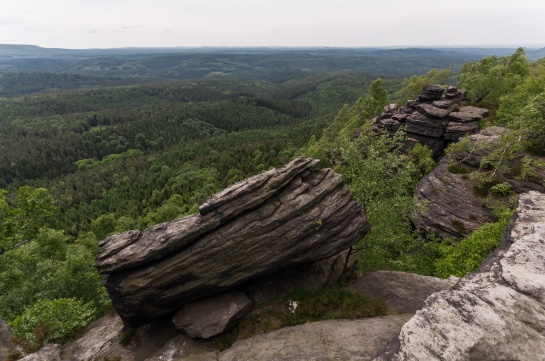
<point>20,224</point>
<point>493,77</point>
<point>382,177</point>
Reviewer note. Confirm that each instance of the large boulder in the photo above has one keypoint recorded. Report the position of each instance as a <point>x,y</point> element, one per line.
<point>6,343</point>
<point>495,314</point>
<point>282,218</point>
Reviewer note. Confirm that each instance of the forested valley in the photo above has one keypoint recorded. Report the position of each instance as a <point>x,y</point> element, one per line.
<point>100,145</point>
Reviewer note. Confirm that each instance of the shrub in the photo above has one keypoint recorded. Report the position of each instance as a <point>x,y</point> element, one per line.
<point>501,189</point>
<point>467,255</point>
<point>51,321</point>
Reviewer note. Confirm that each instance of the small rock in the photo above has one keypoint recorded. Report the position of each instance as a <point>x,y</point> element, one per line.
<point>444,104</point>
<point>469,114</point>
<point>390,108</point>
<point>211,316</point>
<point>432,92</point>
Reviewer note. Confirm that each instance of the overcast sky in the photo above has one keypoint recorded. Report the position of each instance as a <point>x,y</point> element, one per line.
<point>172,23</point>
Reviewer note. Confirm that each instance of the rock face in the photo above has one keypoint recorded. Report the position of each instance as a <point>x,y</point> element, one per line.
<point>453,210</point>
<point>403,292</point>
<point>5,339</point>
<point>434,118</point>
<point>278,219</point>
<point>46,353</point>
<point>495,314</point>
<point>211,316</point>
<point>319,341</point>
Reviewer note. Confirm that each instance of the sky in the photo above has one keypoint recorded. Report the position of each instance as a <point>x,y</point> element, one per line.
<point>81,24</point>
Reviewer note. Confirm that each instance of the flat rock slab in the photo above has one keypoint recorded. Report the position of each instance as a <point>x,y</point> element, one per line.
<point>213,315</point>
<point>403,292</point>
<point>319,341</point>
<point>495,314</point>
<point>273,221</point>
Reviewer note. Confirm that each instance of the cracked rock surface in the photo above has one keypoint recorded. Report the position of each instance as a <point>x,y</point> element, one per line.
<point>494,314</point>
<point>281,218</point>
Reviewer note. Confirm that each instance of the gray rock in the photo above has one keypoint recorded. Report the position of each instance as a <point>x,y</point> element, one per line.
<point>5,339</point>
<point>430,127</point>
<point>281,218</point>
<point>183,348</point>
<point>495,314</point>
<point>453,210</point>
<point>213,315</point>
<point>319,341</point>
<point>399,116</point>
<point>432,92</point>
<point>469,114</point>
<point>46,353</point>
<point>444,104</point>
<point>390,108</point>
<point>457,130</point>
<point>402,292</point>
<point>325,273</point>
<point>432,111</point>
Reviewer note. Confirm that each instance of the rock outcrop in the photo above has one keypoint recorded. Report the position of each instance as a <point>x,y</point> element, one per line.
<point>434,118</point>
<point>5,339</point>
<point>495,314</point>
<point>452,207</point>
<point>403,292</point>
<point>278,219</point>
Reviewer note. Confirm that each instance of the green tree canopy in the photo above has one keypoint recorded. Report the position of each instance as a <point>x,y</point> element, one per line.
<point>492,77</point>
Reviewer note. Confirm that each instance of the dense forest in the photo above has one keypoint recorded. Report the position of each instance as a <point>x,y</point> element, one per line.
<point>93,144</point>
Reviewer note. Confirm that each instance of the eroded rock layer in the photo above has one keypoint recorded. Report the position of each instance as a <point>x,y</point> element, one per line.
<point>278,219</point>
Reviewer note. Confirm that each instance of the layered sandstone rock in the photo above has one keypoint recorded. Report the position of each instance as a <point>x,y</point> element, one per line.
<point>279,219</point>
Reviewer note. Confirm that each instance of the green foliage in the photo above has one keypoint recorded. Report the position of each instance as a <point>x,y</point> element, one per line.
<point>502,189</point>
<point>104,225</point>
<point>20,223</point>
<point>49,268</point>
<point>382,178</point>
<point>127,336</point>
<point>468,254</point>
<point>493,77</point>
<point>51,321</point>
<point>457,168</point>
<point>412,87</point>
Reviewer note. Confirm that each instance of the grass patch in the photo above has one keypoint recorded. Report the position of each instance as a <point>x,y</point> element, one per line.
<point>457,168</point>
<point>318,305</point>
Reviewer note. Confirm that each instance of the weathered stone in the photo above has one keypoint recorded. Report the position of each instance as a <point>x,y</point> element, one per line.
<point>469,114</point>
<point>282,218</point>
<point>496,314</point>
<point>5,339</point>
<point>183,348</point>
<point>325,273</point>
<point>319,341</point>
<point>213,315</point>
<point>389,124</point>
<point>399,116</point>
<point>402,292</point>
<point>432,92</point>
<point>390,108</point>
<point>453,210</point>
<point>46,353</point>
<point>457,130</point>
<point>444,104</point>
<point>420,124</point>
<point>432,111</point>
